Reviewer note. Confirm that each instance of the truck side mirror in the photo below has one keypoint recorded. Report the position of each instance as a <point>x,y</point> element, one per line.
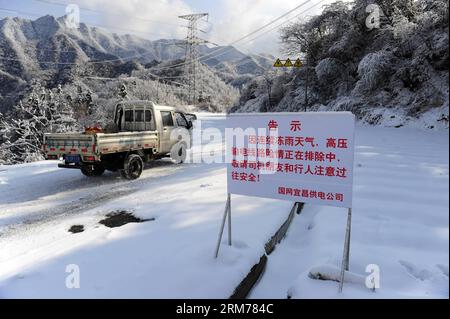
<point>191,116</point>
<point>190,125</point>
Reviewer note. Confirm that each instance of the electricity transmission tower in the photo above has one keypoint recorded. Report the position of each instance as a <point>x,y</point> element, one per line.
<point>191,62</point>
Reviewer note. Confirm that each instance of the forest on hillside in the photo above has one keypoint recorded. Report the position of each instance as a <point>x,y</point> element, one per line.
<point>393,72</point>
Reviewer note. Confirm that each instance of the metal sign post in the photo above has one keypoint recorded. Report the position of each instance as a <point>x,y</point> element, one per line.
<point>225,214</point>
<point>229,218</point>
<point>346,255</point>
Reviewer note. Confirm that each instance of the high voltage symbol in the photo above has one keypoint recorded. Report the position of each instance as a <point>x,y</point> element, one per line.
<point>287,63</point>
<point>298,63</point>
<point>278,63</point>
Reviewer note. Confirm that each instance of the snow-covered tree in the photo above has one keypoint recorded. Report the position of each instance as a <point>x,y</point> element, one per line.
<point>373,69</point>
<point>41,112</point>
<point>402,64</point>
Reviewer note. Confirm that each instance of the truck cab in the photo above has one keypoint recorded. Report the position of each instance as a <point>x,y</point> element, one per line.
<point>138,116</point>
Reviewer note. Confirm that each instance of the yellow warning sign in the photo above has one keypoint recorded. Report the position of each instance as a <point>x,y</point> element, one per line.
<point>288,63</point>
<point>278,63</point>
<point>298,63</point>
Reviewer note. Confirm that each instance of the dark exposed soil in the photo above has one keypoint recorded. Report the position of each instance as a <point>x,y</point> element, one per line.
<point>76,229</point>
<point>120,218</point>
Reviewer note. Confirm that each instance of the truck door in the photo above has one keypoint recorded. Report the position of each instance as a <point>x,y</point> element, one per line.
<point>166,132</point>
<point>184,127</point>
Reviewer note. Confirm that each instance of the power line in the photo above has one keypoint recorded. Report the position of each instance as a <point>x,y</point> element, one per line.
<point>290,19</point>
<point>279,25</point>
<point>225,49</point>
<point>211,55</point>
<point>265,32</point>
<point>177,90</point>
<point>252,39</point>
<point>110,13</point>
<point>271,22</point>
<point>71,63</point>
<point>132,77</point>
<point>171,77</point>
<point>88,24</point>
<point>246,51</point>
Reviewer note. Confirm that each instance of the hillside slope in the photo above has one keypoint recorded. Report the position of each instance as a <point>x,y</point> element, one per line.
<point>393,75</point>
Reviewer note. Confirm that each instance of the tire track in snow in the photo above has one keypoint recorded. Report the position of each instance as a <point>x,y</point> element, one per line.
<point>79,206</point>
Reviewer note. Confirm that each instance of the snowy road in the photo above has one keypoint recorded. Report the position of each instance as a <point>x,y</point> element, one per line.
<point>400,223</point>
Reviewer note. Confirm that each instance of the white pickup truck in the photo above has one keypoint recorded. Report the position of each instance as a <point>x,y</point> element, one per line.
<point>143,131</point>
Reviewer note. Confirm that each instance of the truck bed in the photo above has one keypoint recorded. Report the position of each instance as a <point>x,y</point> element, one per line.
<point>125,141</point>
<point>98,144</point>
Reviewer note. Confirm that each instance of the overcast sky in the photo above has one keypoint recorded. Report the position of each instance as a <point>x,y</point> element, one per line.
<point>154,19</point>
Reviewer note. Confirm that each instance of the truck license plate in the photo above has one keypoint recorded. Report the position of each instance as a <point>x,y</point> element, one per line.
<point>73,159</point>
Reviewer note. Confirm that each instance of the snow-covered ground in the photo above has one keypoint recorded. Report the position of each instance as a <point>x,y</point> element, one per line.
<point>400,223</point>
<point>170,257</point>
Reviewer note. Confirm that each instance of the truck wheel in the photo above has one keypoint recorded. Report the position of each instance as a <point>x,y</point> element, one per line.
<point>178,153</point>
<point>92,170</point>
<point>132,167</point>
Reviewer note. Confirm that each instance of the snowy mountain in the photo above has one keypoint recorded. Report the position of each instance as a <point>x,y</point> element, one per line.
<point>48,50</point>
<point>49,39</point>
